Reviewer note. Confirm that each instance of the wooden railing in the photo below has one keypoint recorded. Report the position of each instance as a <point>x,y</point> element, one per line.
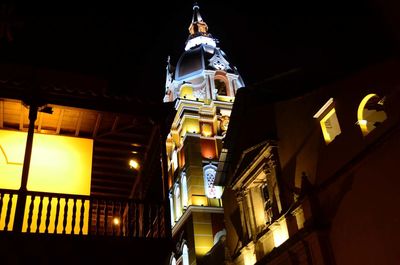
<point>52,213</point>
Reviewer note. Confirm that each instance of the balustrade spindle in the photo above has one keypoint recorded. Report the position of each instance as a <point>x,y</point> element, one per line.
<point>150,221</point>
<point>48,214</point>
<point>105,217</point>
<point>82,216</point>
<point>57,215</point>
<point>1,203</point>
<point>139,220</point>
<point>8,214</point>
<point>122,222</point>
<point>39,215</point>
<point>98,217</point>
<point>30,212</point>
<point>113,225</point>
<point>65,217</point>
<point>130,221</point>
<point>135,220</point>
<point>90,221</point>
<point>157,220</point>
<point>73,217</point>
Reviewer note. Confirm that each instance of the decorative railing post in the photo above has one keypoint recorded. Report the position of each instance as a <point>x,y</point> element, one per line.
<point>21,202</point>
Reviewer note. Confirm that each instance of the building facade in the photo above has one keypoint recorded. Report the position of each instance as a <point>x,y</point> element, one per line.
<point>317,181</point>
<point>203,85</point>
<point>73,168</point>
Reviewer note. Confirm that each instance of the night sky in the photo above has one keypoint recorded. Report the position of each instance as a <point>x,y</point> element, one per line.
<point>128,44</point>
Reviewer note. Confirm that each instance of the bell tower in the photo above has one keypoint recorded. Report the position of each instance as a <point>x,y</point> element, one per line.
<point>203,85</point>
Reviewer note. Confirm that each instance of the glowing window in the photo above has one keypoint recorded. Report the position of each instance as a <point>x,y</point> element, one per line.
<point>370,113</point>
<point>220,86</point>
<point>211,190</point>
<point>172,260</point>
<point>174,160</point>
<point>184,190</point>
<point>329,121</point>
<point>185,255</point>
<point>178,207</point>
<point>171,205</point>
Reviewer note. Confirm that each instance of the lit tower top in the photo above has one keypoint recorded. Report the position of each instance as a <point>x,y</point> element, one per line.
<point>198,30</point>
<point>203,71</point>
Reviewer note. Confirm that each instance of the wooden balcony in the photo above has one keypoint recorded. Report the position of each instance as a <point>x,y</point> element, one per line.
<point>66,227</point>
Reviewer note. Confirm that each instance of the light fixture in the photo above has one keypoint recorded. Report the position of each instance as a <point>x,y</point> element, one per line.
<point>46,109</point>
<point>116,221</point>
<point>133,164</point>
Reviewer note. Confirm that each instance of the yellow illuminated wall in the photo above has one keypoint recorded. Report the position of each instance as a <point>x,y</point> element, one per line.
<point>186,92</point>
<point>203,235</point>
<point>59,164</point>
<point>190,125</point>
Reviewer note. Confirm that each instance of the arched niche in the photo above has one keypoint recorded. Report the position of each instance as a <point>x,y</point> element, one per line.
<point>221,84</point>
<point>211,191</point>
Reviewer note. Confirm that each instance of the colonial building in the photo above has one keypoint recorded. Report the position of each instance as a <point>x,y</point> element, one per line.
<point>79,171</point>
<point>203,85</point>
<point>316,183</point>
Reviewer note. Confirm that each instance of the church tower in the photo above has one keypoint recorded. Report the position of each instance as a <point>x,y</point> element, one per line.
<point>203,86</point>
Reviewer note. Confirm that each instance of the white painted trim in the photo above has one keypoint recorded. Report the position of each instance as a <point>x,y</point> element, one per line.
<point>324,107</point>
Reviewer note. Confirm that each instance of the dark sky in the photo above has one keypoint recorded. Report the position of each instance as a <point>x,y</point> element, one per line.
<point>128,44</point>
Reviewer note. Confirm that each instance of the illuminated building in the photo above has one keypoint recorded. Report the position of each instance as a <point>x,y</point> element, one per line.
<point>317,182</point>
<point>77,169</point>
<point>203,85</point>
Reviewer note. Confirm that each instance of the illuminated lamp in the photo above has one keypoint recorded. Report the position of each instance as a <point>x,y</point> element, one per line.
<point>116,221</point>
<point>133,164</point>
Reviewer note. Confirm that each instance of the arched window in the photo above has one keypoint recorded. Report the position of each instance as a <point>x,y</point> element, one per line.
<point>172,260</point>
<point>211,191</point>
<point>185,255</point>
<point>370,113</point>
<point>221,88</point>
<point>177,197</point>
<point>174,160</point>
<point>184,190</point>
<point>219,235</point>
<point>328,120</point>
<point>171,205</point>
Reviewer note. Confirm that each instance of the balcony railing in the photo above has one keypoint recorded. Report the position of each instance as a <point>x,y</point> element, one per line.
<point>52,213</point>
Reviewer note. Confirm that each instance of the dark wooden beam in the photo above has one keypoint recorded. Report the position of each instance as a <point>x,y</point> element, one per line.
<point>97,125</point>
<point>1,113</point>
<point>115,124</point>
<point>21,117</point>
<point>60,118</point>
<point>78,123</point>
<point>143,168</point>
<point>118,143</point>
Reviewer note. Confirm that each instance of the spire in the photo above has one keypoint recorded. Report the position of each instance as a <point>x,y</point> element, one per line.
<point>198,31</point>
<point>196,14</point>
<point>198,27</point>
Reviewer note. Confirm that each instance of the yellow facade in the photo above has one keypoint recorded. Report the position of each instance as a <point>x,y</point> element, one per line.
<point>59,164</point>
